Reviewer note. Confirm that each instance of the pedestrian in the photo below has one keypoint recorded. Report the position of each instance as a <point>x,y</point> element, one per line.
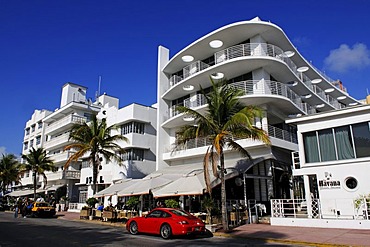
<point>16,211</point>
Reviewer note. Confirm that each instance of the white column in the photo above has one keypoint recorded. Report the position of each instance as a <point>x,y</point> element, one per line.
<point>306,182</point>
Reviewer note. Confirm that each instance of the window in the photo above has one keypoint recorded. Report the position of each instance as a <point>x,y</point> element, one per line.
<point>82,197</point>
<point>33,126</point>
<point>134,154</point>
<point>326,142</point>
<point>27,174</point>
<point>31,143</point>
<point>343,141</point>
<point>39,125</point>
<point>25,146</point>
<point>361,136</point>
<point>132,127</point>
<point>27,131</point>
<point>38,140</point>
<point>351,183</point>
<point>88,116</point>
<point>311,148</point>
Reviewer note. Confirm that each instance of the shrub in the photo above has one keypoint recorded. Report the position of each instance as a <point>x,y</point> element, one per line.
<point>133,202</point>
<point>91,202</point>
<point>171,203</point>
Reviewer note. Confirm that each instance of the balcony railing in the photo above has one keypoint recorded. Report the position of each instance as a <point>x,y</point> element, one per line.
<point>59,157</point>
<point>71,119</point>
<point>250,87</point>
<point>57,140</point>
<point>193,102</point>
<point>244,50</point>
<point>71,174</point>
<point>272,132</point>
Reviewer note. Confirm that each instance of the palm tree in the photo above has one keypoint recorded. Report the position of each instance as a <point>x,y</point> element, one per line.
<point>10,171</point>
<point>38,162</point>
<point>94,138</point>
<point>226,120</point>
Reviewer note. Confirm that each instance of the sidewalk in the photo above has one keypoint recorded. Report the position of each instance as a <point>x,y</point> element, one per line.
<point>279,234</point>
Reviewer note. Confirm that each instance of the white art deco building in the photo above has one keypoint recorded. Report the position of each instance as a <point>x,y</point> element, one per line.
<point>258,58</point>
<point>50,130</point>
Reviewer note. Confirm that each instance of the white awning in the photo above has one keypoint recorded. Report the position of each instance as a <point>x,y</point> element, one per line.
<point>54,187</point>
<point>189,184</point>
<point>145,185</point>
<point>18,193</point>
<point>114,188</point>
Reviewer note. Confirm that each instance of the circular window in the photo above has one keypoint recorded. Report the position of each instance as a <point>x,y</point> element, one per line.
<point>351,183</point>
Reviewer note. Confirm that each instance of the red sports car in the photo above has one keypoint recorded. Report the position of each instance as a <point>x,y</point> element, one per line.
<point>166,222</point>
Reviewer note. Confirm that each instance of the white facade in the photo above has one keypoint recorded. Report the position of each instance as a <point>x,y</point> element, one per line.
<point>50,130</point>
<point>335,167</point>
<point>257,57</point>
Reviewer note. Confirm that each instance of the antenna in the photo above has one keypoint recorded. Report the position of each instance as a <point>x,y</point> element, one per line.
<point>98,92</point>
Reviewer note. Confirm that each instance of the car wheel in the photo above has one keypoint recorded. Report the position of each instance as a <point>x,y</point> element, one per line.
<point>133,228</point>
<point>166,231</point>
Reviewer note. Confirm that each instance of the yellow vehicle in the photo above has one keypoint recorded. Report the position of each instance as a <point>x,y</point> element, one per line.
<point>42,209</point>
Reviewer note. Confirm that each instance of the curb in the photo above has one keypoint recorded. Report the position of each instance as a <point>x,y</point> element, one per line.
<point>282,241</point>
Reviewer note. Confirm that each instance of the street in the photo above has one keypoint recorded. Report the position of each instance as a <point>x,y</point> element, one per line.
<point>58,232</point>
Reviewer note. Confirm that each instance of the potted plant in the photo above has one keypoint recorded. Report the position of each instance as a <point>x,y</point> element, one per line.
<point>209,205</point>
<point>171,203</point>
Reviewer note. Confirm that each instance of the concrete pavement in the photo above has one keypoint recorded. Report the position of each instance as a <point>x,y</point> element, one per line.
<point>307,236</point>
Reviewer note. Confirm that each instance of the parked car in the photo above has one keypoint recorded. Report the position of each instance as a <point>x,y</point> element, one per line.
<point>42,209</point>
<point>166,222</point>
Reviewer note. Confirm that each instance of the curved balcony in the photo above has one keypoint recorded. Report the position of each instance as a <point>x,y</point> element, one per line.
<point>252,87</point>
<point>258,50</point>
<point>56,142</point>
<point>272,132</point>
<point>63,123</point>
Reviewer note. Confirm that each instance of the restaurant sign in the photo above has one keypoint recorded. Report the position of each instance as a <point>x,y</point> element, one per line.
<point>329,184</point>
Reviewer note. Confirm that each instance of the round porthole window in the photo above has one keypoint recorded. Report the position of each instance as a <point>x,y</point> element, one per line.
<point>351,183</point>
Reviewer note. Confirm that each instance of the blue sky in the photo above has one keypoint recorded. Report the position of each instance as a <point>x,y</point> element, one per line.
<point>44,44</point>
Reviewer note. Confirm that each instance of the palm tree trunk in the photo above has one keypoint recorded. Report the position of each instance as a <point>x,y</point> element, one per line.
<point>95,172</point>
<point>34,185</point>
<point>225,224</point>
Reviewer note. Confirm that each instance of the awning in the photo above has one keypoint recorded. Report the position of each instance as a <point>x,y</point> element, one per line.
<point>189,184</point>
<point>114,188</point>
<point>18,193</point>
<point>145,185</point>
<point>53,187</point>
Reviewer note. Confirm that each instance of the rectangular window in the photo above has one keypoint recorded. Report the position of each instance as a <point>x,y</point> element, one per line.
<point>39,125</point>
<point>133,127</point>
<point>134,154</point>
<point>327,147</point>
<point>31,143</point>
<point>38,140</point>
<point>361,136</point>
<point>82,197</point>
<point>343,140</point>
<point>311,148</point>
<point>33,126</point>
<point>27,131</point>
<point>88,116</point>
<point>25,146</point>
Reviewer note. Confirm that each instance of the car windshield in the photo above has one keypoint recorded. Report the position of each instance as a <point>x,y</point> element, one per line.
<point>42,204</point>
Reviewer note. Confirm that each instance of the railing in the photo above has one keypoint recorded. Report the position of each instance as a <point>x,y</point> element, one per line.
<point>193,102</point>
<point>272,131</point>
<point>193,68</point>
<point>249,87</point>
<point>63,156</point>
<point>282,134</point>
<point>295,208</point>
<point>328,209</point>
<point>71,174</point>
<point>64,121</point>
<point>250,49</point>
<point>60,139</point>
